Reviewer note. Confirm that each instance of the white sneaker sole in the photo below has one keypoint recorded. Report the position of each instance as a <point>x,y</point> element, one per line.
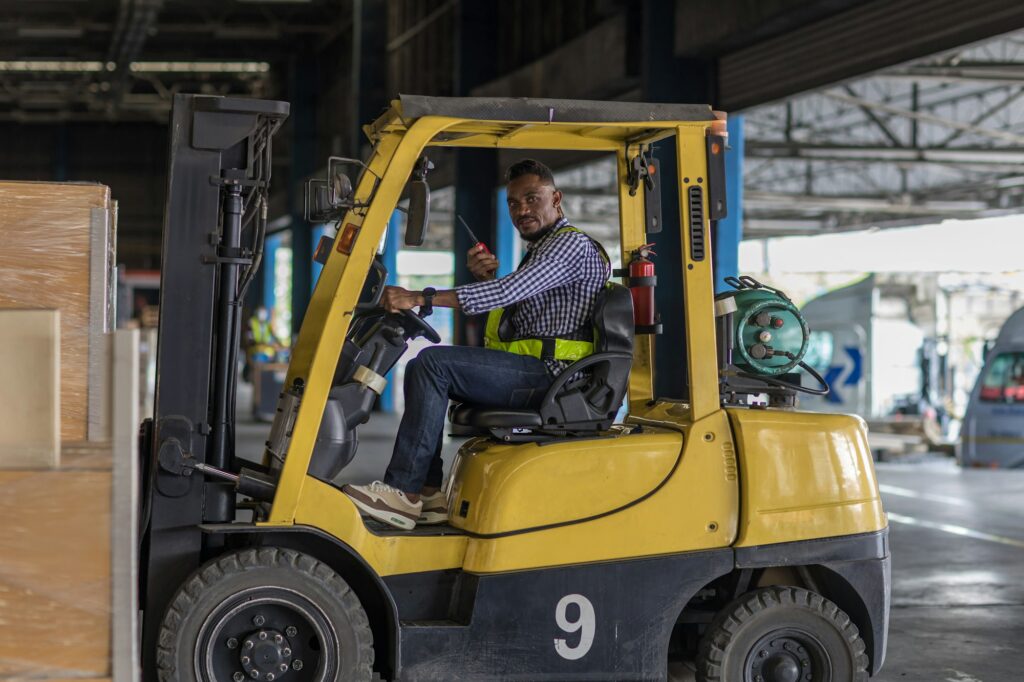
<point>389,517</point>
<point>432,519</point>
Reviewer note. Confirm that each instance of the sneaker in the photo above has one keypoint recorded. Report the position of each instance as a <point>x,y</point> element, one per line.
<point>435,509</point>
<point>384,503</point>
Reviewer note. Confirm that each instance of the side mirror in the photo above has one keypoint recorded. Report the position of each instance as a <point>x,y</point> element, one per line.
<point>419,203</point>
<point>419,212</point>
<point>319,208</point>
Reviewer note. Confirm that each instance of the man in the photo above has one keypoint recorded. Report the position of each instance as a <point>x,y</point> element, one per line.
<point>261,344</point>
<point>550,295</point>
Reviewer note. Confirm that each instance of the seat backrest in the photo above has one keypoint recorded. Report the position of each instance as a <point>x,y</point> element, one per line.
<point>613,320</point>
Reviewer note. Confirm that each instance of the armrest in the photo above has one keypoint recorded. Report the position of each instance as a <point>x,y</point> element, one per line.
<point>596,359</point>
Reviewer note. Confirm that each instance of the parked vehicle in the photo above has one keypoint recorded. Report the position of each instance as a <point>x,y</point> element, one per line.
<point>993,430</point>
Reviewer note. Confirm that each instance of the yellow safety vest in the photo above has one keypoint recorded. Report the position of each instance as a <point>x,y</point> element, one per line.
<point>261,332</point>
<point>540,348</point>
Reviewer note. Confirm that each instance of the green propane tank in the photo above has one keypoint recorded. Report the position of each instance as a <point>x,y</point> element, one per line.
<point>769,333</point>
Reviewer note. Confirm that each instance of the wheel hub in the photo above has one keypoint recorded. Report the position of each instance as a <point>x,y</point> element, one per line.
<point>781,659</point>
<point>266,654</point>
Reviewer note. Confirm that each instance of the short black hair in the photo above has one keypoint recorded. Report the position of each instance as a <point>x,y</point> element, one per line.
<point>530,167</point>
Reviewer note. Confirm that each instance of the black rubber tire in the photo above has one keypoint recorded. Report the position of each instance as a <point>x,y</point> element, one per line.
<point>788,613</point>
<point>219,581</point>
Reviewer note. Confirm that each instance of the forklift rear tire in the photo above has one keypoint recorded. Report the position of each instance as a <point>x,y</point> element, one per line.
<point>782,634</point>
<point>265,614</point>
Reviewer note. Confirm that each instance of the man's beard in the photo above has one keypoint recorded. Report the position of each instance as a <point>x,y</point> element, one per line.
<point>539,234</point>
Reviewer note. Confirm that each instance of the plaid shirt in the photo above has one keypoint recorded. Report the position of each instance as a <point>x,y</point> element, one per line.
<point>554,288</point>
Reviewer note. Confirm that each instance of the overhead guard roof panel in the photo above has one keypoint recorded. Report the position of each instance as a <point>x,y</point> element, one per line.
<point>540,123</point>
<point>530,110</point>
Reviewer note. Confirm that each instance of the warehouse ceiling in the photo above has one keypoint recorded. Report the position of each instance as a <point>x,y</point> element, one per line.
<point>96,60</point>
<point>941,137</point>
<point>933,138</point>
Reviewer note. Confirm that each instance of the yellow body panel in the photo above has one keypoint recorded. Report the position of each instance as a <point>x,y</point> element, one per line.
<point>695,509</point>
<point>805,475</point>
<point>511,487</point>
<point>326,508</point>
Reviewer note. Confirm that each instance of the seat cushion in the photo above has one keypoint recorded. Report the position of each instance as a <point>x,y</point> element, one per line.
<point>493,417</point>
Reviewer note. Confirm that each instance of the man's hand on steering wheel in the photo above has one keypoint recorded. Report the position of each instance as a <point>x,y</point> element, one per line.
<point>401,301</point>
<point>396,299</point>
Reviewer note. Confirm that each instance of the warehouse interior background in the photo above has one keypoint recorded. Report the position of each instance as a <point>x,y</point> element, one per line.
<point>876,164</point>
<point>848,117</point>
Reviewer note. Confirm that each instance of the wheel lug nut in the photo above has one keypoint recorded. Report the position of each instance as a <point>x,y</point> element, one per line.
<point>278,639</point>
<point>291,631</point>
<point>270,677</point>
<point>232,643</point>
<point>263,635</point>
<point>297,664</point>
<point>245,660</point>
<point>283,667</point>
<point>286,652</point>
<point>238,677</point>
<point>258,621</point>
<point>255,674</point>
<point>249,644</point>
<point>763,653</point>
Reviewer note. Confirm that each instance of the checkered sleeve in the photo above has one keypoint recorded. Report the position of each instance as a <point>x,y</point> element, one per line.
<point>554,264</point>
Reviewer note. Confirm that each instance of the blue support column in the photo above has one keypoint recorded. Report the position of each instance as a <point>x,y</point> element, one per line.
<point>267,267</point>
<point>318,232</point>
<point>302,93</point>
<point>507,235</point>
<point>730,231</point>
<point>668,78</point>
<point>391,246</point>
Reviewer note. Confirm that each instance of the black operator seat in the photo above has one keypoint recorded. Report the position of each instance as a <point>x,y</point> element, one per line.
<point>584,398</point>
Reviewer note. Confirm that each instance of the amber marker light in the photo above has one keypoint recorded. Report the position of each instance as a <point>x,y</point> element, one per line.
<point>347,238</point>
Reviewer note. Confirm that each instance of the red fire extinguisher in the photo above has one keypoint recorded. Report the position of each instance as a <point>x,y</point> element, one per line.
<point>641,285</point>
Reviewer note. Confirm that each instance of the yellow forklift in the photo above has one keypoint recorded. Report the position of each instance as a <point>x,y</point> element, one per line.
<point>721,530</point>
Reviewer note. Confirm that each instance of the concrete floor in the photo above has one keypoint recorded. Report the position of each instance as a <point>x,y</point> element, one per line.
<point>957,542</point>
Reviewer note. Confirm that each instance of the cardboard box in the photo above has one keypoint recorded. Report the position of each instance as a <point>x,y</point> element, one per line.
<point>58,250</point>
<point>30,388</point>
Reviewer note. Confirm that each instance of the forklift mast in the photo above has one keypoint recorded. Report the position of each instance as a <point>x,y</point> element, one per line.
<point>215,221</point>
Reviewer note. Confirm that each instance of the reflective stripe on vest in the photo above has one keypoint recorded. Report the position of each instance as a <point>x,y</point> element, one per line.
<point>540,348</point>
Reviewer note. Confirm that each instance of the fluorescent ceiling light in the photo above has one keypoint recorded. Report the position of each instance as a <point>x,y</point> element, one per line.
<point>35,65</point>
<point>200,67</point>
<point>50,31</point>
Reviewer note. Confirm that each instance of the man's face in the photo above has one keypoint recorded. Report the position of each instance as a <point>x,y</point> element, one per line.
<point>532,205</point>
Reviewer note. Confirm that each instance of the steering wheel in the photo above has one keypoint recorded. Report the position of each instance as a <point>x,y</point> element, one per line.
<point>420,324</point>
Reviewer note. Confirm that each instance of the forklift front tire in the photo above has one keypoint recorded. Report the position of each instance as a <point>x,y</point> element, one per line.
<point>782,634</point>
<point>265,614</point>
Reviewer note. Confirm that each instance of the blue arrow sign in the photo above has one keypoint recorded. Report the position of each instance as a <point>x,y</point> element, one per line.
<point>830,378</point>
<point>855,374</point>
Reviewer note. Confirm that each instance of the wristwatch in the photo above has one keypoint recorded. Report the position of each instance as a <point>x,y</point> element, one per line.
<point>428,301</point>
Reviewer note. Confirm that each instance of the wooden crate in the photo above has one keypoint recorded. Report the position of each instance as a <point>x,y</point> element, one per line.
<point>55,576</point>
<point>57,252</point>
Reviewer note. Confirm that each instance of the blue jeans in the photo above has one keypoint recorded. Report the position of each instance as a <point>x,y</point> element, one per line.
<point>481,376</point>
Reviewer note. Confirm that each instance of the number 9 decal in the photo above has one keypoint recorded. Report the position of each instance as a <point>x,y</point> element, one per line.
<point>585,623</point>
